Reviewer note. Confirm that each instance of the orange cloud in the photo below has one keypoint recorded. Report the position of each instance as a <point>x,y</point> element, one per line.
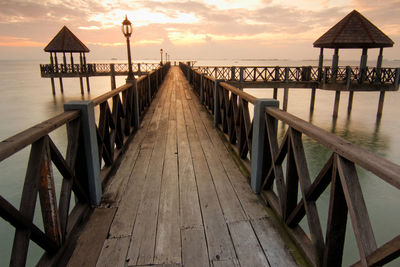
<point>9,41</point>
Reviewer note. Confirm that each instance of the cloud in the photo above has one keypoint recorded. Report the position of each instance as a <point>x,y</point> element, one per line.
<point>190,23</point>
<point>9,41</point>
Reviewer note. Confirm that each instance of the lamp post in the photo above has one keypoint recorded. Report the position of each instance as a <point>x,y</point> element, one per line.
<point>161,52</point>
<point>127,31</point>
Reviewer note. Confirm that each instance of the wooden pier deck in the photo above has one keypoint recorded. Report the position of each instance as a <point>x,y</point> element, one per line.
<point>178,198</point>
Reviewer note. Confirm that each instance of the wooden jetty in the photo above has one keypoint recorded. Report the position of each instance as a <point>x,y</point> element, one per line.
<point>92,70</point>
<point>156,183</point>
<point>353,32</point>
<point>65,42</point>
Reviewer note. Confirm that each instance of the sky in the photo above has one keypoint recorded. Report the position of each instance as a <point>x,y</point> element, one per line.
<point>196,29</point>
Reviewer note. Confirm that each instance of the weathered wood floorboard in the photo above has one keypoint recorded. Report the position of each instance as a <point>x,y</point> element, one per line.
<point>168,243</point>
<point>179,198</point>
<point>142,246</point>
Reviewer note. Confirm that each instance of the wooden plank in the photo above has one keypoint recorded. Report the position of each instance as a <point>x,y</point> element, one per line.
<point>90,243</point>
<point>142,246</point>
<point>250,202</point>
<point>115,188</point>
<point>126,214</point>
<point>114,252</point>
<point>128,207</point>
<point>272,243</point>
<point>190,213</point>
<point>230,204</point>
<point>246,244</point>
<point>226,263</point>
<point>189,199</point>
<point>218,239</point>
<point>194,248</point>
<point>168,240</point>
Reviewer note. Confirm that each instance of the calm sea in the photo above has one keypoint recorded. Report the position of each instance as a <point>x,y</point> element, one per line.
<point>26,100</point>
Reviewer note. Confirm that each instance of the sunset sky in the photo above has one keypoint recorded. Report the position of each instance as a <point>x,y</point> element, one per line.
<point>198,29</point>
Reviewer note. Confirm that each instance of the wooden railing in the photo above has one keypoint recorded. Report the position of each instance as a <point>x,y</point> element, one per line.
<point>96,68</point>
<point>90,145</point>
<point>256,142</point>
<point>303,74</point>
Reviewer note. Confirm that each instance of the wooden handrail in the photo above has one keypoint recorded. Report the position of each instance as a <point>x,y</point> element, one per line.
<point>383,168</point>
<point>249,98</point>
<point>19,141</point>
<point>280,189</point>
<point>113,129</point>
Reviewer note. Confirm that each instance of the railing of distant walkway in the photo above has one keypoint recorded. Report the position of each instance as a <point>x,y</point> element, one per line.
<point>303,74</point>
<point>257,139</point>
<point>96,68</point>
<point>93,148</point>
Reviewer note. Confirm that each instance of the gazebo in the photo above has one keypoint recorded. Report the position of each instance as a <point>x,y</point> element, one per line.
<point>66,42</point>
<point>353,32</point>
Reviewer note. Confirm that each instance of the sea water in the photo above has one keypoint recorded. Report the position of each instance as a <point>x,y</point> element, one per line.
<point>26,100</point>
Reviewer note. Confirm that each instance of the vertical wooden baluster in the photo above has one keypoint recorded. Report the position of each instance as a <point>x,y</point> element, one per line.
<point>337,220</point>
<point>292,180</point>
<point>357,209</point>
<point>271,125</point>
<point>28,202</point>
<point>73,129</point>
<point>47,196</point>
<point>305,183</point>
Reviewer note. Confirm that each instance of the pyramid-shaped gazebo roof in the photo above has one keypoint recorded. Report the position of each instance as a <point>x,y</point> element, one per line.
<point>66,41</point>
<point>354,31</point>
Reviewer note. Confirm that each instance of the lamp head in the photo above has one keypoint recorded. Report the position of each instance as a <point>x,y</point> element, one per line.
<point>127,27</point>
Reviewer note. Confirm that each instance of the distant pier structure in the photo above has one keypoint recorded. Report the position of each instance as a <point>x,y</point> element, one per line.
<point>66,42</point>
<point>353,32</point>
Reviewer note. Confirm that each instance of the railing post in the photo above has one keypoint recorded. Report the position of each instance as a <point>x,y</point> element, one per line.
<point>112,70</point>
<point>88,127</point>
<point>202,88</point>
<point>233,73</point>
<point>216,103</point>
<point>136,104</point>
<point>149,89</point>
<point>396,78</point>
<point>241,74</point>
<point>348,77</point>
<point>258,139</point>
<point>188,73</point>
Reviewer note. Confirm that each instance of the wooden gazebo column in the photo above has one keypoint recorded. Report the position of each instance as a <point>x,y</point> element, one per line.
<point>53,89</point>
<point>378,77</point>
<point>363,64</point>
<point>335,65</point>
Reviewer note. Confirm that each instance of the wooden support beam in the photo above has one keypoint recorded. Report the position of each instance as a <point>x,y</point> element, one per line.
<point>81,83</point>
<point>87,84</point>
<point>336,105</point>
<point>112,70</point>
<point>61,86</point>
<point>53,89</point>
<point>275,93</point>
<point>380,105</point>
<point>350,104</point>
<point>285,98</point>
<point>312,100</point>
